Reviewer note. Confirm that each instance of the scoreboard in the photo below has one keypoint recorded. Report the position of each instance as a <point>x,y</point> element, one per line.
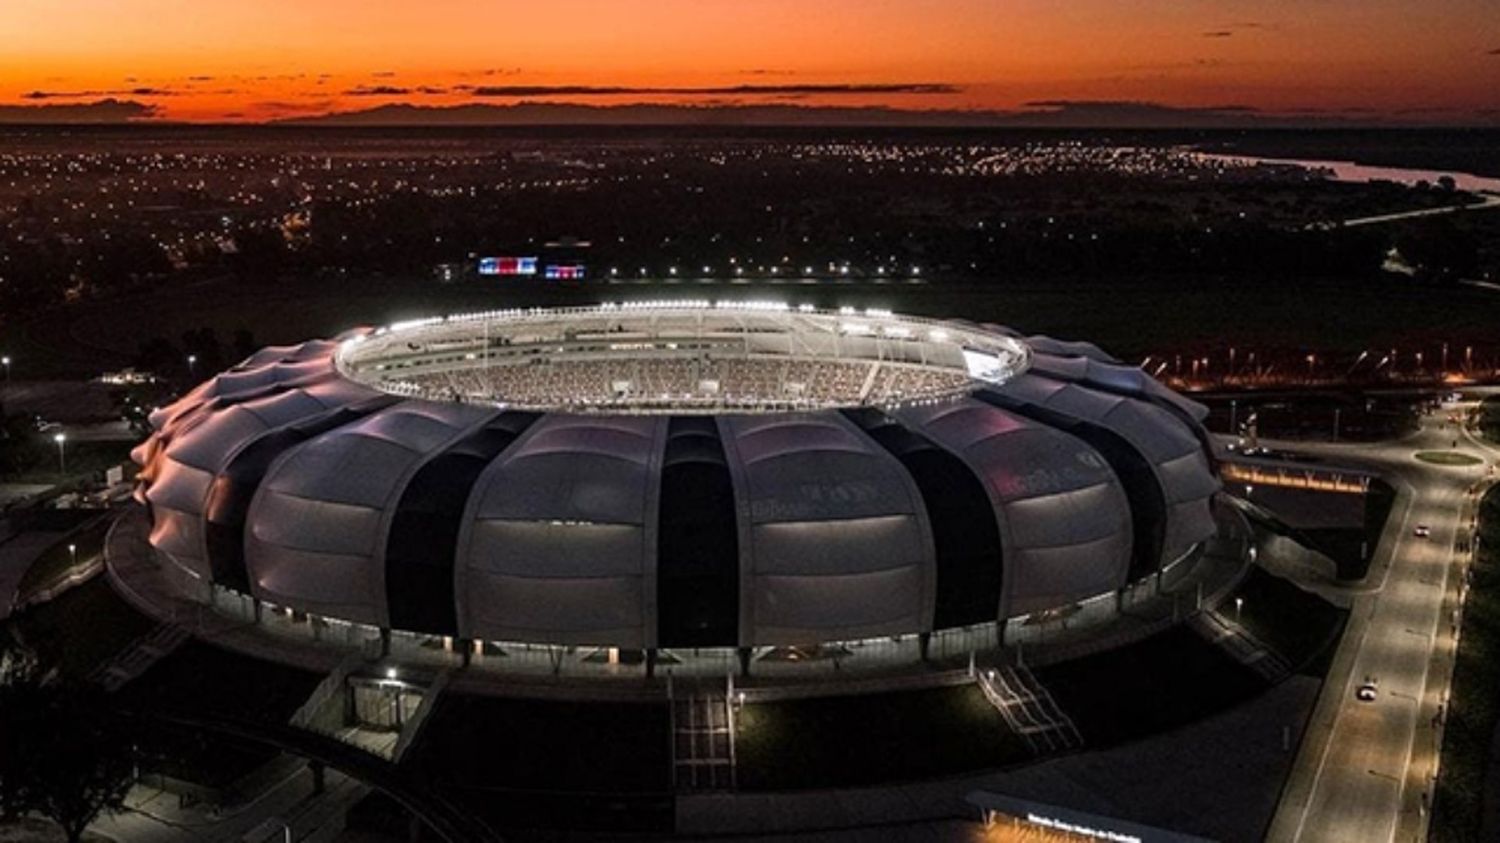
<point>507,266</point>
<point>565,271</point>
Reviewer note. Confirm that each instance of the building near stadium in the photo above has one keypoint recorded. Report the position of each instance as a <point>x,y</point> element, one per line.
<point>678,480</point>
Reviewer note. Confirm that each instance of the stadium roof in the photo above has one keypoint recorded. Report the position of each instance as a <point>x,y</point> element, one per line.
<point>300,478</point>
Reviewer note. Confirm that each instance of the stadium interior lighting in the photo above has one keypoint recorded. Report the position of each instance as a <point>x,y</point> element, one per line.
<point>737,359</point>
<point>773,387</point>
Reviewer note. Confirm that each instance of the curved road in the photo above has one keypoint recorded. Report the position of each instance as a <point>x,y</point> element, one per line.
<point>448,821</point>
<point>1364,771</point>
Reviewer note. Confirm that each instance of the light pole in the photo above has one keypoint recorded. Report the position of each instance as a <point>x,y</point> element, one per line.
<point>192,361</point>
<point>1239,605</point>
<point>5,361</point>
<point>62,452</point>
<point>73,555</point>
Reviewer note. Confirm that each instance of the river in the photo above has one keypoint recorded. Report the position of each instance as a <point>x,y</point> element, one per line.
<point>1352,171</point>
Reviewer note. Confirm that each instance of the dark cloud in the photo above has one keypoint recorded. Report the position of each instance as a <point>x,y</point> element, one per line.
<point>1494,52</point>
<point>767,71</point>
<point>1174,65</point>
<point>383,74</point>
<point>200,79</point>
<point>1228,30</point>
<point>102,111</point>
<point>729,90</point>
<point>287,107</point>
<point>397,90</point>
<point>1136,106</point>
<point>377,91</point>
<point>74,95</point>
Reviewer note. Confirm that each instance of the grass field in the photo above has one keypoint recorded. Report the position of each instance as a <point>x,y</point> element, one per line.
<point>40,465</point>
<point>857,740</point>
<point>1465,774</point>
<point>82,628</point>
<point>1489,418</point>
<point>1146,688</point>
<point>198,677</point>
<point>1301,627</point>
<point>1447,458</point>
<point>57,561</point>
<point>541,745</point>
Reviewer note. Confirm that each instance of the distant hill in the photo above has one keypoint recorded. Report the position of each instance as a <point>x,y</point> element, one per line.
<point>105,111</point>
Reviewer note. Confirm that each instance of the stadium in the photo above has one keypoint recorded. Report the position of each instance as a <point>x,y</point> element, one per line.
<point>706,485</point>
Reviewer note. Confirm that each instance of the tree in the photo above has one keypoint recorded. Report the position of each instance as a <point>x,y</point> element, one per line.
<point>16,666</point>
<point>1441,248</point>
<point>63,753</point>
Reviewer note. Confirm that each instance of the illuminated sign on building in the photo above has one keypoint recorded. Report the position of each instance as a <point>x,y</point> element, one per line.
<point>564,271</point>
<point>1082,830</point>
<point>507,266</point>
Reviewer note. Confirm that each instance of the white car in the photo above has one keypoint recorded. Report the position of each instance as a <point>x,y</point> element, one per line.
<point>1422,531</point>
<point>1367,689</point>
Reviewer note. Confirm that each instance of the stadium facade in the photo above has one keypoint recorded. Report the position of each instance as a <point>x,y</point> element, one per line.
<point>674,476</point>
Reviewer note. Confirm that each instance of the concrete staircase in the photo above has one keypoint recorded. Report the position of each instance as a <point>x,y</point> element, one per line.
<point>1029,709</point>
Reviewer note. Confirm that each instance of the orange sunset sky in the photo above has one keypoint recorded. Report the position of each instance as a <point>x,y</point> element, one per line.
<point>248,60</point>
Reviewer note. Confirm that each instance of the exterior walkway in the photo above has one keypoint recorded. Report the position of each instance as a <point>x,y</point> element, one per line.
<point>545,671</point>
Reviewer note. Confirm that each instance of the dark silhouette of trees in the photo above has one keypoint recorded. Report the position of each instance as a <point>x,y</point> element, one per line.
<point>63,753</point>
<point>1439,248</point>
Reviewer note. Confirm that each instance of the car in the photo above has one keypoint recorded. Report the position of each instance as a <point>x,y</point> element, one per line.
<point>1422,531</point>
<point>1367,689</point>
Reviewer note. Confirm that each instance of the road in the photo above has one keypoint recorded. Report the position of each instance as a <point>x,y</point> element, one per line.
<point>154,816</point>
<point>1490,201</point>
<point>1364,770</point>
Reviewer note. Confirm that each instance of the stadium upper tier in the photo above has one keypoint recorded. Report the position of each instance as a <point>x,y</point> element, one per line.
<point>681,357</point>
<point>900,489</point>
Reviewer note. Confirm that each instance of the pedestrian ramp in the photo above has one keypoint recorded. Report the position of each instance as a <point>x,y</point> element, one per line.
<point>1029,709</point>
<point>1241,645</point>
<point>702,740</point>
<point>138,656</point>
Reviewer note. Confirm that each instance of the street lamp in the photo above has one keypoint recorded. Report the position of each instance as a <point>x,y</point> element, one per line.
<point>1239,605</point>
<point>62,455</point>
<point>73,554</point>
<point>192,361</point>
<point>5,361</point>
